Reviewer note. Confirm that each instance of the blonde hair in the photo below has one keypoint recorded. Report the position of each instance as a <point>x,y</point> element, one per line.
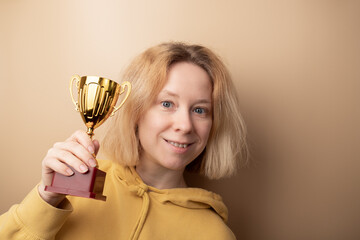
<point>148,75</point>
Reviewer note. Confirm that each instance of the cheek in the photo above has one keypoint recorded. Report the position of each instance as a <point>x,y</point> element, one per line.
<point>204,129</point>
<point>150,124</point>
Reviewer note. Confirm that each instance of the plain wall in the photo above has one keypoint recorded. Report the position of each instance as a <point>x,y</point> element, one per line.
<point>296,66</point>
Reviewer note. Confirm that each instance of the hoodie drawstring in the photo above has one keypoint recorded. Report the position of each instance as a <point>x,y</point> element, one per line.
<point>142,191</point>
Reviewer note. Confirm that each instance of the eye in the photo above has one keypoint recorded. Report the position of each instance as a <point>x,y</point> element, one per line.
<point>199,110</point>
<point>166,104</point>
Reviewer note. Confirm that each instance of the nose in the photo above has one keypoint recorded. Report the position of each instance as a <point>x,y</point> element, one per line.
<point>182,121</point>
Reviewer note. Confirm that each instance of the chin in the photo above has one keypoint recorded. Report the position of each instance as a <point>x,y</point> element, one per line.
<point>174,166</point>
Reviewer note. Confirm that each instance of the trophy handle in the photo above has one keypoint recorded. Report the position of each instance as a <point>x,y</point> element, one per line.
<point>122,87</point>
<point>77,79</point>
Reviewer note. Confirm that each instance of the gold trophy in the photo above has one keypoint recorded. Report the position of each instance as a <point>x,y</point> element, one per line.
<point>97,97</point>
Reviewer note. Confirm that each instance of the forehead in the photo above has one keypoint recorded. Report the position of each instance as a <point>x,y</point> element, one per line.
<point>188,79</point>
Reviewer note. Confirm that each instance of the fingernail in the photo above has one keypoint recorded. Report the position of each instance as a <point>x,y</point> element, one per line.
<point>69,171</point>
<point>92,162</point>
<point>83,168</point>
<point>91,149</point>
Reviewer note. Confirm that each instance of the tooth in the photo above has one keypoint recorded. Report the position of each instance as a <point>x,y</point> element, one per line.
<point>178,144</point>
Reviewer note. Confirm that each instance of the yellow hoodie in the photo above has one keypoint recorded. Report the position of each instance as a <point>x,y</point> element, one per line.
<point>132,210</point>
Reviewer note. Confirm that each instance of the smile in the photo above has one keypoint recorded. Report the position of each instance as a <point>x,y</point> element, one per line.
<point>180,145</point>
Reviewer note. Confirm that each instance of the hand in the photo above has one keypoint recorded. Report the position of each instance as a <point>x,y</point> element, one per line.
<point>78,151</point>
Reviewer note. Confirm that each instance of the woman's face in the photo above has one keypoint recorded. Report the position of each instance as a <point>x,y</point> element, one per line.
<point>175,129</point>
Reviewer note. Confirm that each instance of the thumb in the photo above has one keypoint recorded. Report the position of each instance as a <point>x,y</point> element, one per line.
<point>97,146</point>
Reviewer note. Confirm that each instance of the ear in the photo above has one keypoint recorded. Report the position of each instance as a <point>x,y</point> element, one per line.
<point>136,130</point>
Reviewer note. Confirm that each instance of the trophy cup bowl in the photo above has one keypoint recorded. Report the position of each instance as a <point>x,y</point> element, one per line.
<point>97,97</point>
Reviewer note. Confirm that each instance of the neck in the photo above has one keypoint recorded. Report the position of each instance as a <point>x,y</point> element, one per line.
<point>159,177</point>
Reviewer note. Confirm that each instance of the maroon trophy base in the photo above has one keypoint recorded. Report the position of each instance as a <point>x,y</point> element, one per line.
<point>88,185</point>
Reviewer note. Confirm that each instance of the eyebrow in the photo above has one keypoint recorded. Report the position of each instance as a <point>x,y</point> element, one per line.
<point>166,92</point>
<point>172,94</point>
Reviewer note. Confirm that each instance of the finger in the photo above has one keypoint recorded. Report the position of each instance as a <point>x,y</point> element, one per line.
<point>68,158</point>
<point>84,139</point>
<point>53,165</point>
<point>78,150</point>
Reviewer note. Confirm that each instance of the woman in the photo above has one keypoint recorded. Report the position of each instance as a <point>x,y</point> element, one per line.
<point>182,114</point>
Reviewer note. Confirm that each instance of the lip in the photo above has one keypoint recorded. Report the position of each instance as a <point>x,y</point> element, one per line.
<point>179,142</point>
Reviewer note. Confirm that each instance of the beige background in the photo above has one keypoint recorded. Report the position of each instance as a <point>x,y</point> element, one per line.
<point>296,65</point>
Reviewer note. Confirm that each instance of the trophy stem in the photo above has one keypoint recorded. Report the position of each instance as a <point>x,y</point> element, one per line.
<point>90,132</point>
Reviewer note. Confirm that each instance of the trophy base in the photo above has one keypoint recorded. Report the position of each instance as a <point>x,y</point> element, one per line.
<point>88,185</point>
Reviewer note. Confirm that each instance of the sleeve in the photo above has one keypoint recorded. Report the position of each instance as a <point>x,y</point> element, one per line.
<point>33,218</point>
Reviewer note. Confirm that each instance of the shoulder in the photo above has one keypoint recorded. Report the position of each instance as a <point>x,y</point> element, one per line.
<point>105,165</point>
<point>213,226</point>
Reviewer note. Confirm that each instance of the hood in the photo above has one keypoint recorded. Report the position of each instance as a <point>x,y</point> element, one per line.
<point>194,198</point>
